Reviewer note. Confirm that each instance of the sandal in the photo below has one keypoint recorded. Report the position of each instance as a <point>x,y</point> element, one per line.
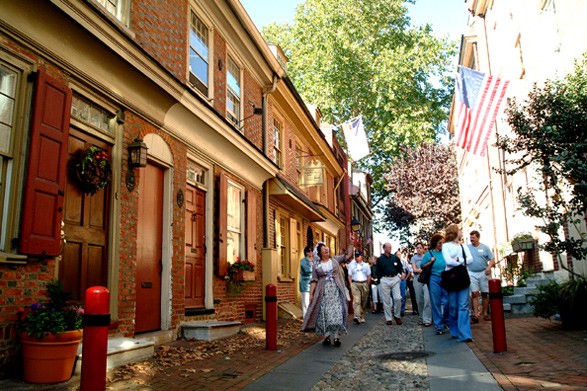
<point>474,319</point>
<point>326,341</point>
<point>487,317</point>
<point>336,342</point>
<point>427,324</point>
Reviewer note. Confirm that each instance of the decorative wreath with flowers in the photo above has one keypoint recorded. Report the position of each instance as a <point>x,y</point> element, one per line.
<point>91,169</point>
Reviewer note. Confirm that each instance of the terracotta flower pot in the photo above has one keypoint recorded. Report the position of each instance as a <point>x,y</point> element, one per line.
<point>51,358</point>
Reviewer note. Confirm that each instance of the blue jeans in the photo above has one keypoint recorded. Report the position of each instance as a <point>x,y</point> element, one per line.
<point>459,323</point>
<point>439,303</point>
<point>402,288</point>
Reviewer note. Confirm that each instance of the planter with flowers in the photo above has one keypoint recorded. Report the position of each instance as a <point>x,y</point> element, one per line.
<point>50,332</point>
<point>91,169</point>
<point>240,273</point>
<point>523,241</point>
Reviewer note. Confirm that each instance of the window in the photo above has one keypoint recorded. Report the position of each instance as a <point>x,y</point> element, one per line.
<point>117,8</point>
<point>277,130</point>
<point>233,91</point>
<point>235,222</point>
<point>199,55</point>
<point>88,112</point>
<point>9,80</point>
<point>282,239</point>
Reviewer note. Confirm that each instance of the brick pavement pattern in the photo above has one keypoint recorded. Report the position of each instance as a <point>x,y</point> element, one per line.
<point>540,355</point>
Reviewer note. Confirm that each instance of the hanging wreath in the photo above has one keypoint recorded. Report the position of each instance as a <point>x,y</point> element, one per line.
<point>91,169</point>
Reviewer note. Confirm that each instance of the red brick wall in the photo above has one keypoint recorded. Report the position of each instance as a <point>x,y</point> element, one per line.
<point>252,92</point>
<point>161,28</point>
<point>219,75</point>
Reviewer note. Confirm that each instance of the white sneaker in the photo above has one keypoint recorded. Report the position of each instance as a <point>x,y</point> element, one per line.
<point>362,320</point>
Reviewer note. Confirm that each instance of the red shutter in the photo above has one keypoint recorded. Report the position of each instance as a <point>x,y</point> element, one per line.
<point>222,260</point>
<point>47,165</point>
<point>251,227</point>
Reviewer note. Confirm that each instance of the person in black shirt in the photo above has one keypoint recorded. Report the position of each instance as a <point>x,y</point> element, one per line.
<point>390,272</point>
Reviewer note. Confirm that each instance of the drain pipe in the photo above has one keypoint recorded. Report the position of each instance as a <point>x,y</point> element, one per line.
<point>266,92</point>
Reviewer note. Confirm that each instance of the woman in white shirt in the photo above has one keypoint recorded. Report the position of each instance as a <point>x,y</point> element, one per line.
<point>458,301</point>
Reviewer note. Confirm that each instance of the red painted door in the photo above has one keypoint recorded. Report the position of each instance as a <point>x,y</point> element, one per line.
<point>149,253</point>
<point>195,247</point>
<point>85,217</point>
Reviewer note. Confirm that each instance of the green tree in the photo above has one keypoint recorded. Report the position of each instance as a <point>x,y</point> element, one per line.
<point>353,57</point>
<point>424,191</point>
<point>550,137</point>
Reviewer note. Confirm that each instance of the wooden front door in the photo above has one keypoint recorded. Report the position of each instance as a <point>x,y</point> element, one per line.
<point>149,249</point>
<point>195,247</point>
<point>85,217</point>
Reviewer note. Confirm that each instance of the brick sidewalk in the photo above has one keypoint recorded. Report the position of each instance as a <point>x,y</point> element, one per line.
<point>540,355</point>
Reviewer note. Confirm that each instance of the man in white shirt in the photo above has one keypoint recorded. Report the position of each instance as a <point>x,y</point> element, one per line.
<point>479,273</point>
<point>360,279</point>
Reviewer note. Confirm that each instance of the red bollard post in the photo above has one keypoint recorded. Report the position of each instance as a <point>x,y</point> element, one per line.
<point>497,318</point>
<point>271,317</point>
<point>95,339</point>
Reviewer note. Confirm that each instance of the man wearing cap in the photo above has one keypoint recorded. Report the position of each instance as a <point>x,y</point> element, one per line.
<point>359,278</point>
<point>390,272</point>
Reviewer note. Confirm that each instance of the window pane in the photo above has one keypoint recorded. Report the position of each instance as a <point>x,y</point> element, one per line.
<point>199,44</point>
<point>198,67</point>
<point>6,109</point>
<point>5,133</point>
<point>234,209</point>
<point>7,82</point>
<point>233,77</point>
<point>232,246</point>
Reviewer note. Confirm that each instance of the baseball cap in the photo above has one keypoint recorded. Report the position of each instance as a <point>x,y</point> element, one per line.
<point>358,253</point>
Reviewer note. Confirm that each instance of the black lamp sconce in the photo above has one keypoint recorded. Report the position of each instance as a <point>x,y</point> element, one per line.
<point>137,158</point>
<point>356,225</point>
<point>219,63</point>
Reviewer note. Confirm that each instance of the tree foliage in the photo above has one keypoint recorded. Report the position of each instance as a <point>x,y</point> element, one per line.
<point>550,136</point>
<point>353,57</point>
<point>424,191</point>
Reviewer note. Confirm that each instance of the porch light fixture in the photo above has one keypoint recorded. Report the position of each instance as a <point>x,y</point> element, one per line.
<point>137,158</point>
<point>355,225</point>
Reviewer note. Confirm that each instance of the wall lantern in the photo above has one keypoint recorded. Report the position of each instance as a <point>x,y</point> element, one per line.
<point>137,158</point>
<point>355,225</point>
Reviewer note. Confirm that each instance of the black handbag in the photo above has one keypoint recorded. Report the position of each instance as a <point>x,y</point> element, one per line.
<point>456,278</point>
<point>424,277</point>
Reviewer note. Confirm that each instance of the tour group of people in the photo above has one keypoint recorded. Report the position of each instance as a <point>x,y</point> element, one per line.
<point>328,282</point>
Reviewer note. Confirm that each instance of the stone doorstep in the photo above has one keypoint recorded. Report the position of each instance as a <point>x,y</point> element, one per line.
<point>209,330</point>
<point>121,351</point>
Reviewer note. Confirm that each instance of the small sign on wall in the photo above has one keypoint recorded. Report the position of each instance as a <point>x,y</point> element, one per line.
<point>312,174</point>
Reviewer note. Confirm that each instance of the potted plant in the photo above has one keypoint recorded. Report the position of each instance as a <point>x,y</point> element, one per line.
<point>566,299</point>
<point>241,272</point>
<point>50,332</point>
<point>523,241</point>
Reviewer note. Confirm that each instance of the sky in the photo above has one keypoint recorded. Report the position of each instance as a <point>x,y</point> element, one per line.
<point>447,17</point>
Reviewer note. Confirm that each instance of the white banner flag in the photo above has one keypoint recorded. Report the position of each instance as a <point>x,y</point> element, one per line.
<point>356,138</point>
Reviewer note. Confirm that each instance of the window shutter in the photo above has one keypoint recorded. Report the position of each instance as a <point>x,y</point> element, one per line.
<point>47,165</point>
<point>251,227</point>
<point>222,265</point>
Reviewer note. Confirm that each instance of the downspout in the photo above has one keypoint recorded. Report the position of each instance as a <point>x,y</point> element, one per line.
<point>266,92</point>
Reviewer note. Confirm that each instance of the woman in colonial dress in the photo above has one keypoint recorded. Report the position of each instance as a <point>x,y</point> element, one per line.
<point>327,313</point>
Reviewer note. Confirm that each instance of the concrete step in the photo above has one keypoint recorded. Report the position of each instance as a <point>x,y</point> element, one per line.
<point>209,330</point>
<point>520,309</point>
<point>515,299</point>
<point>122,351</point>
<point>527,290</point>
<point>507,307</point>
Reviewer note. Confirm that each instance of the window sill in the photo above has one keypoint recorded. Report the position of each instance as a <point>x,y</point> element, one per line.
<point>12,259</point>
<point>285,279</point>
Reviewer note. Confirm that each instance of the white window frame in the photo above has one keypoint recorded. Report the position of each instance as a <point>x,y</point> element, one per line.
<point>278,141</point>
<point>12,170</point>
<point>206,89</point>
<point>119,9</point>
<point>239,231</point>
<point>234,117</point>
<point>282,243</point>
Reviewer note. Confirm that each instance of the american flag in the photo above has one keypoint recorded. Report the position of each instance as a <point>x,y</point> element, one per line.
<point>478,97</point>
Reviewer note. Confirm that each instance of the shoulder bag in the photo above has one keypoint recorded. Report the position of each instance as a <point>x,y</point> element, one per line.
<point>457,278</point>
<point>424,277</point>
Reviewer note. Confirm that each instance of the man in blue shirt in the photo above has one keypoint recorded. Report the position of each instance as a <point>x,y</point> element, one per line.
<point>305,277</point>
<point>479,272</point>
<point>390,272</point>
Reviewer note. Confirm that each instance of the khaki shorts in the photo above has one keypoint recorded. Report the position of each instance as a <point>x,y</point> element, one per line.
<point>479,282</point>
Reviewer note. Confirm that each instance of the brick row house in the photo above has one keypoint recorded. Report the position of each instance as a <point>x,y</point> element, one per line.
<point>229,144</point>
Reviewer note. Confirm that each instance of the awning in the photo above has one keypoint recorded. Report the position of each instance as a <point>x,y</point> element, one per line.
<point>290,196</point>
<point>332,223</point>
